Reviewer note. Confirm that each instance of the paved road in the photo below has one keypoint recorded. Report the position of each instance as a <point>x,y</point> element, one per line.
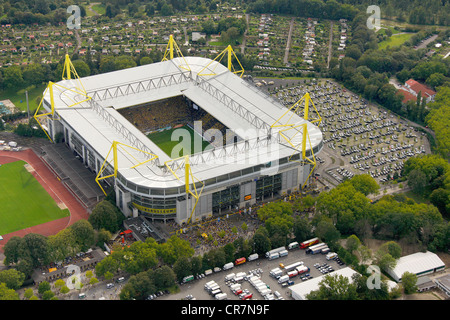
<point>426,42</point>
<point>330,45</point>
<point>288,44</point>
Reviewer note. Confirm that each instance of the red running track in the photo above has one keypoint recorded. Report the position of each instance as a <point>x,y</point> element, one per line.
<point>56,190</point>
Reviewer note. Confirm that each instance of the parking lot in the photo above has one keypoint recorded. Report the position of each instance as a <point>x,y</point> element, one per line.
<point>260,268</point>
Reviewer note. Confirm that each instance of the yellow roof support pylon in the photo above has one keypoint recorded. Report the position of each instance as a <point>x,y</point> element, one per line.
<point>68,73</point>
<point>188,178</point>
<point>172,48</point>
<point>230,54</point>
<point>115,145</point>
<point>289,125</point>
<point>64,93</point>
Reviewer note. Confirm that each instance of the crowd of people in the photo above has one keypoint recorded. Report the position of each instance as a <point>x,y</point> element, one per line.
<point>151,117</point>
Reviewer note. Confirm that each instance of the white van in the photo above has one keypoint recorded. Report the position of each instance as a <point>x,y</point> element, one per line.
<point>230,276</point>
<point>283,279</point>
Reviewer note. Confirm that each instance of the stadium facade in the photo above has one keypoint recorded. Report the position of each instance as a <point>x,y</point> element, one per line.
<point>271,150</point>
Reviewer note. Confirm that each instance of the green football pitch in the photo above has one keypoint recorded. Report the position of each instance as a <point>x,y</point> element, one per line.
<point>23,201</point>
<point>184,143</point>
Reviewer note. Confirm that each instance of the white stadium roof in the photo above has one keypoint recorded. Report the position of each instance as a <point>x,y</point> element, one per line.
<point>227,97</point>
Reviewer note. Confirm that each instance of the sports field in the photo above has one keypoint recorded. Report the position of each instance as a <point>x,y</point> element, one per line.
<point>184,144</point>
<point>23,201</point>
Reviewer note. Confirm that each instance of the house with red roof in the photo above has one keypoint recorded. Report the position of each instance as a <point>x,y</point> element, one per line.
<point>414,87</point>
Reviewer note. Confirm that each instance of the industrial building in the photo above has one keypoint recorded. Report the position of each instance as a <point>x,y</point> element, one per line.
<point>299,291</point>
<point>419,263</point>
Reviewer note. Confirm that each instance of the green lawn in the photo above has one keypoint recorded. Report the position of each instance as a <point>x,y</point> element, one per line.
<point>23,201</point>
<point>395,40</point>
<point>16,96</point>
<point>164,141</point>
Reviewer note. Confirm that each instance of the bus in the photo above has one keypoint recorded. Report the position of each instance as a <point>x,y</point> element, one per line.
<point>240,261</point>
<point>307,243</point>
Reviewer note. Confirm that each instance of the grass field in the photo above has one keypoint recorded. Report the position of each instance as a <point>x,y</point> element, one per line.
<point>164,141</point>
<point>19,95</point>
<point>395,40</point>
<point>23,201</point>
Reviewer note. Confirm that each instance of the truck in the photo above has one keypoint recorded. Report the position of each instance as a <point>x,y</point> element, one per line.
<point>302,269</point>
<point>209,284</point>
<point>292,273</point>
<point>230,276</point>
<point>215,292</point>
<point>221,296</point>
<point>293,245</point>
<point>277,250</point>
<point>283,279</point>
<point>283,253</point>
<point>240,261</point>
<point>319,245</point>
<point>272,256</point>
<point>308,243</point>
<point>317,248</point>
<point>228,266</point>
<point>276,273</point>
<point>331,256</point>
<point>325,250</point>
<point>253,257</point>
<point>293,266</point>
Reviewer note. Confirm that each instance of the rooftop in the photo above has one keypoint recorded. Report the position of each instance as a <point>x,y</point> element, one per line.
<point>230,99</point>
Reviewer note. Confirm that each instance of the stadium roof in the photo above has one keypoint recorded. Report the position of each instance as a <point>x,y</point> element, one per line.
<point>230,99</point>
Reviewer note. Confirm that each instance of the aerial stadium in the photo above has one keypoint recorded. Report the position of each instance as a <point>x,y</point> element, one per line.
<point>185,138</point>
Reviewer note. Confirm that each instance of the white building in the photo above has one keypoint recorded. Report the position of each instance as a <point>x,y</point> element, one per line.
<point>300,290</point>
<point>420,263</point>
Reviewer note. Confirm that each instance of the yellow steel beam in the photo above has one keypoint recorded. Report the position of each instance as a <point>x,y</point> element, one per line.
<point>113,149</point>
<point>230,54</point>
<point>188,178</point>
<point>289,125</point>
<point>172,48</point>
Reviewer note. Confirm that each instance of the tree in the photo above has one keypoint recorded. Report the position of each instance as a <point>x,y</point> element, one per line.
<point>409,281</point>
<point>163,278</point>
<point>326,231</point>
<point>365,184</point>
<point>12,278</point>
<point>84,234</point>
<point>105,215</point>
<point>182,267</point>
<point>166,9</point>
<point>334,287</point>
<point>7,294</point>
<point>302,229</point>
<point>33,74</point>
<point>352,243</point>
<point>13,78</point>
<point>417,180</point>
<point>261,241</point>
